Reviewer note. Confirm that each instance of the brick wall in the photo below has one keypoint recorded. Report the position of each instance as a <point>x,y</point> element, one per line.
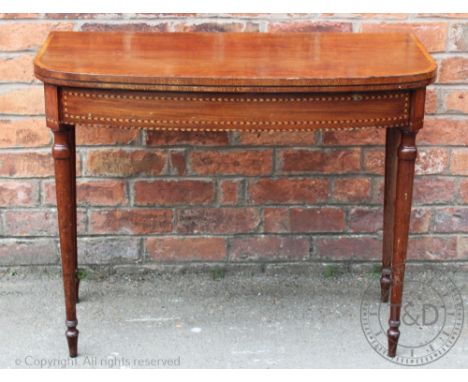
<point>147,196</point>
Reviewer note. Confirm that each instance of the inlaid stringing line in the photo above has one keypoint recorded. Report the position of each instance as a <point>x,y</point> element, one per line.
<point>354,97</point>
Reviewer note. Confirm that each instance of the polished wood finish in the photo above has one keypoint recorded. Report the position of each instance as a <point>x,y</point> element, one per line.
<point>242,82</point>
<point>392,141</point>
<point>72,140</point>
<point>155,60</point>
<point>228,111</point>
<point>407,154</point>
<point>62,152</point>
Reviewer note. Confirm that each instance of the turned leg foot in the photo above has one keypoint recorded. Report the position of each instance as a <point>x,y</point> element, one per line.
<point>72,338</point>
<point>393,334</point>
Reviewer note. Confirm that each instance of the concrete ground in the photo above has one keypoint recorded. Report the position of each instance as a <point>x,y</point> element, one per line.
<point>274,316</point>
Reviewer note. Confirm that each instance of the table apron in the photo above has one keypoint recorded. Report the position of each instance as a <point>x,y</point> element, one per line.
<point>237,112</point>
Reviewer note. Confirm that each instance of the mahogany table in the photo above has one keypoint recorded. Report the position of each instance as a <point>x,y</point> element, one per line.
<point>239,82</point>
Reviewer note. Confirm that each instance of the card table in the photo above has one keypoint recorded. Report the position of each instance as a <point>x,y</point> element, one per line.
<point>239,82</point>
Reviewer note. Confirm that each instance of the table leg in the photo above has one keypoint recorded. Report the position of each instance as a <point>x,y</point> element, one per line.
<point>63,152</point>
<point>71,133</point>
<point>407,153</point>
<point>391,147</point>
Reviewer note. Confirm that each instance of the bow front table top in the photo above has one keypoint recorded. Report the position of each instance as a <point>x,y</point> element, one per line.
<point>239,82</point>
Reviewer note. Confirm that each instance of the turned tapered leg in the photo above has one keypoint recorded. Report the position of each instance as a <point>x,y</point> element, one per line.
<point>71,132</point>
<point>391,147</point>
<point>404,189</point>
<point>63,152</point>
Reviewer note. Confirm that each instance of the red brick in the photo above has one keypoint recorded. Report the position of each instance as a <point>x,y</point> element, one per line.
<point>429,161</point>
<point>421,220</point>
<point>130,222</point>
<point>20,16</point>
<point>378,192</point>
<point>29,222</point>
<point>387,16</point>
<point>432,248</point>
<point>186,248</point>
<point>444,15</point>
<point>100,192</point>
<point>178,165</point>
<point>232,162</point>
<point>391,16</point>
<point>24,101</point>
<point>92,135</point>
<point>23,36</point>
<point>352,189</point>
<point>431,101</point>
<point>324,219</point>
<point>464,191</point>
<point>374,161</point>
<point>432,34</point>
<point>453,70</point>
<point>459,162</point>
<point>108,250</point>
<point>320,161</point>
<point>462,248</point>
<point>430,190</point>
<point>432,161</point>
<point>365,219</point>
<point>354,137</point>
<point>370,220</point>
<point>210,27</point>
<point>118,162</point>
<point>135,27</point>
<point>184,138</point>
<point>26,164</point>
<point>31,132</point>
<point>456,101</point>
<point>451,219</point>
<point>348,248</point>
<point>83,16</point>
<point>444,131</point>
<point>217,220</point>
<point>310,26</point>
<point>288,190</point>
<point>279,138</point>
<point>148,15</point>
<point>458,37</point>
<point>28,252</point>
<point>174,192</point>
<point>229,192</point>
<point>17,69</point>
<point>18,193</point>
<point>270,248</point>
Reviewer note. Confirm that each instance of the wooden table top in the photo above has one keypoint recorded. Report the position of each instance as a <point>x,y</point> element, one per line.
<point>158,61</point>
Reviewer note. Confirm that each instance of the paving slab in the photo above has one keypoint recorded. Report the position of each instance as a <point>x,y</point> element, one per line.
<point>252,317</point>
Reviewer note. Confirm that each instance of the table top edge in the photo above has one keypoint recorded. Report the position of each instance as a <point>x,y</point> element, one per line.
<point>50,75</point>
